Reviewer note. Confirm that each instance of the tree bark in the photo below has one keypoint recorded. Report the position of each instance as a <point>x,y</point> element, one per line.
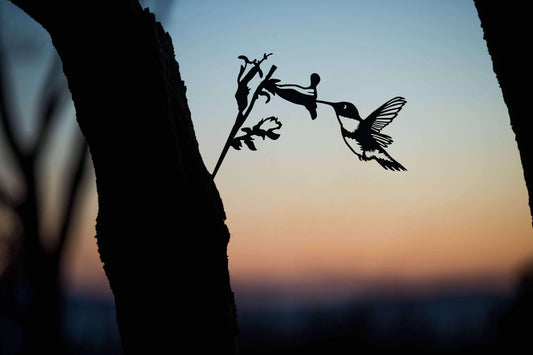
<point>160,227</point>
<point>506,27</point>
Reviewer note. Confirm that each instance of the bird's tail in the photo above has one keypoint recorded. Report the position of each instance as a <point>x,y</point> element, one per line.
<point>391,164</point>
<point>385,160</point>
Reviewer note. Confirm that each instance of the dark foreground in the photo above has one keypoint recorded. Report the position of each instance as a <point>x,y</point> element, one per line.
<point>450,323</point>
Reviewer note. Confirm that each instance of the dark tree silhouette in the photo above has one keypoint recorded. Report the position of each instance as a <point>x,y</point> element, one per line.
<point>160,227</point>
<point>29,282</point>
<point>506,27</point>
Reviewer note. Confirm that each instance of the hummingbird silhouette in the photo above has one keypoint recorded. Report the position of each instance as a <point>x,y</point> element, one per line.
<point>363,136</point>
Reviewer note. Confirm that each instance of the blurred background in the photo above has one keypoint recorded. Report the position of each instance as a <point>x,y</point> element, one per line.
<point>327,253</point>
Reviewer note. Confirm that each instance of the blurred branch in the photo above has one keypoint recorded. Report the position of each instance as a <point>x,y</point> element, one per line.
<point>7,117</point>
<point>50,99</point>
<point>6,199</point>
<point>74,190</point>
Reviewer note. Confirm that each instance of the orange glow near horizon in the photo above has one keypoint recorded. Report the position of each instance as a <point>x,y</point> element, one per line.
<point>295,246</point>
<point>301,241</point>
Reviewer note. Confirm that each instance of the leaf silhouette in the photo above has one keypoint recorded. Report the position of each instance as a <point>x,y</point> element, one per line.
<point>272,135</point>
<point>264,128</point>
<point>241,71</point>
<point>249,143</point>
<point>245,58</point>
<point>269,123</point>
<point>266,94</point>
<point>236,144</point>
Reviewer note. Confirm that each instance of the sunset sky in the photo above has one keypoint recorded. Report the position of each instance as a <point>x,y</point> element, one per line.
<point>303,209</point>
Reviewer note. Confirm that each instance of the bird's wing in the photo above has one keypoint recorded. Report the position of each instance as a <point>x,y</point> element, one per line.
<point>384,114</point>
<point>382,139</point>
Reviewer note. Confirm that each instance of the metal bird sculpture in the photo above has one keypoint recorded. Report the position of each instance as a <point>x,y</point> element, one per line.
<point>363,136</point>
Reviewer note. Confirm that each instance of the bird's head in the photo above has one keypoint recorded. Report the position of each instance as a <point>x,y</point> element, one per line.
<point>346,109</point>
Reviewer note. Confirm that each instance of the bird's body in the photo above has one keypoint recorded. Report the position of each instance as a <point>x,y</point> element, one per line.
<point>363,136</point>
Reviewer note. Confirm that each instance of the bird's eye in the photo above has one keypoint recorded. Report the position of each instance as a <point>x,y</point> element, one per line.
<point>344,107</point>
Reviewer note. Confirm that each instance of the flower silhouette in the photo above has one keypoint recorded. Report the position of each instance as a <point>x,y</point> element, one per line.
<point>300,95</point>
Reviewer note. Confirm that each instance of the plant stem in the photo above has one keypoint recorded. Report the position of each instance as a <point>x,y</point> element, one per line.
<point>238,124</point>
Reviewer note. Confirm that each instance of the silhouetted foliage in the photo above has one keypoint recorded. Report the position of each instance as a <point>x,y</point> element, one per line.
<point>261,129</point>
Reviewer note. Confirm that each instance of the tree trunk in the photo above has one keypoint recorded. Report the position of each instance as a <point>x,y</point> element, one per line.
<point>160,227</point>
<point>506,27</point>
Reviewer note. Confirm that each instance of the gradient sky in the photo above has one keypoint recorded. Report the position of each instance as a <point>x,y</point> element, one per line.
<point>304,208</point>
